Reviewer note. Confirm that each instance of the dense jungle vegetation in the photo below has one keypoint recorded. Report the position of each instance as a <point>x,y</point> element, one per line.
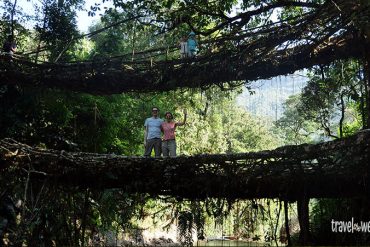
<point>332,105</point>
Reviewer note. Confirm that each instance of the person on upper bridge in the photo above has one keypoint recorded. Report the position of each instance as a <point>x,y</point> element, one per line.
<point>152,134</point>
<point>9,46</point>
<point>184,47</point>
<point>168,128</point>
<point>192,45</point>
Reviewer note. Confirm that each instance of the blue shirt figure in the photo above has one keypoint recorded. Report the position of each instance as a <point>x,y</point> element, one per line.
<point>154,127</point>
<point>192,45</point>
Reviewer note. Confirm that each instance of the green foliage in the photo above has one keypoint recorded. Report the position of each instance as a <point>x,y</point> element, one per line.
<point>58,28</point>
<point>113,41</point>
<point>81,50</point>
<point>128,38</point>
<point>294,127</point>
<point>354,120</point>
<point>217,125</point>
<point>60,119</point>
<point>330,91</point>
<point>332,104</point>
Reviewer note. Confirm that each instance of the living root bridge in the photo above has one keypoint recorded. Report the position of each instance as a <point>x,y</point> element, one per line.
<point>337,168</point>
<point>228,67</point>
<point>330,31</point>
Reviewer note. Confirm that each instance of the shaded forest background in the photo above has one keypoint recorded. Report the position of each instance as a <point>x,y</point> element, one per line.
<point>332,105</point>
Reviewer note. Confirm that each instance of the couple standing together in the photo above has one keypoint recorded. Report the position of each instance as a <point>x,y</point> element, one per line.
<point>154,126</point>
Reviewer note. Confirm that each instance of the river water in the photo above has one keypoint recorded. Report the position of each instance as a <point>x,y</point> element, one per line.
<point>228,243</point>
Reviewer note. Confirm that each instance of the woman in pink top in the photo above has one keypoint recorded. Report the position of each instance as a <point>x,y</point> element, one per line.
<point>168,128</point>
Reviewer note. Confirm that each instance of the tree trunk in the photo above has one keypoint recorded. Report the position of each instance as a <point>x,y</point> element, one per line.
<point>365,33</point>
<point>12,17</point>
<point>303,218</point>
<point>342,112</point>
<point>84,217</point>
<point>45,10</point>
<point>277,224</point>
<point>287,223</point>
<point>367,85</point>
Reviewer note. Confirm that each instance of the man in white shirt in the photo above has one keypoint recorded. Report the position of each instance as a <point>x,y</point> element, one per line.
<point>184,47</point>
